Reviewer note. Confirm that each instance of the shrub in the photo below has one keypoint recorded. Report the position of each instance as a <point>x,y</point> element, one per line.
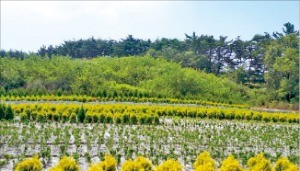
<point>9,113</point>
<point>65,117</point>
<point>130,165</point>
<point>81,114</point>
<point>41,117</point>
<point>89,118</point>
<point>259,162</point>
<point>109,118</point>
<point>144,163</point>
<point>169,165</point>
<point>109,164</point>
<point>30,164</point>
<point>231,164</point>
<point>2,111</point>
<point>204,160</point>
<point>72,118</point>
<point>66,164</point>
<point>205,167</point>
<point>55,116</point>
<point>125,118</point>
<point>283,164</point>
<point>23,117</point>
<point>95,118</point>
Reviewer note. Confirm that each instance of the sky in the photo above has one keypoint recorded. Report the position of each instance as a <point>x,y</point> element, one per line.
<point>27,25</point>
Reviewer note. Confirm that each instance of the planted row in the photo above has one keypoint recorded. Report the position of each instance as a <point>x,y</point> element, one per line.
<point>123,113</point>
<point>85,98</point>
<point>203,162</point>
<point>83,115</point>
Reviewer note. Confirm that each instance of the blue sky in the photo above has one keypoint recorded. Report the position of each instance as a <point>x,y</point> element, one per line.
<point>29,25</point>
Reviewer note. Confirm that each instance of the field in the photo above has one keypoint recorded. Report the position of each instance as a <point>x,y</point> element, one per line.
<point>158,132</point>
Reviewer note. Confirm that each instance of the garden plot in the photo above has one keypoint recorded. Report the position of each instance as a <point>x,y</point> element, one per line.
<point>182,139</point>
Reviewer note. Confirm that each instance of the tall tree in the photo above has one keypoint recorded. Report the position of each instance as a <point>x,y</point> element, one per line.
<point>282,63</point>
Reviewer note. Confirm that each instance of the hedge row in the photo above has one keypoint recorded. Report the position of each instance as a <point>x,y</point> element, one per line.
<point>84,98</point>
<point>203,162</point>
<point>140,113</point>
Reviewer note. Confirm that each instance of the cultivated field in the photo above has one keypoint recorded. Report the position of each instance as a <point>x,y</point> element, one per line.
<point>157,132</point>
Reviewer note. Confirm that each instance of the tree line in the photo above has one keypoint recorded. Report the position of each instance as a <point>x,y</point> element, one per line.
<point>267,60</point>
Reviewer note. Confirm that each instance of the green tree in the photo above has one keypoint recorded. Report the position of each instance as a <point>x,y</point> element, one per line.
<point>282,63</point>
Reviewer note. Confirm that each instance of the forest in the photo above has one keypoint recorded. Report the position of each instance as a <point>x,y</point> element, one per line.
<point>259,71</point>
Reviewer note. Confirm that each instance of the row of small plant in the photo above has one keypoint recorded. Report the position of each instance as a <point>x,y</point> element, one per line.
<point>84,98</point>
<point>84,115</point>
<point>204,162</point>
<point>140,113</point>
<point>181,139</point>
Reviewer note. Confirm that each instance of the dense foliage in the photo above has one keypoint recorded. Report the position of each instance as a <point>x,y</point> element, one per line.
<point>268,62</point>
<point>6,112</point>
<point>141,77</point>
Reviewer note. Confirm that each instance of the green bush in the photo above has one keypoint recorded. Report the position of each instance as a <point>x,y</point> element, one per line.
<point>6,112</point>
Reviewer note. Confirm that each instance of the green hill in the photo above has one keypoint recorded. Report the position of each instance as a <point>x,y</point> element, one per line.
<point>106,76</point>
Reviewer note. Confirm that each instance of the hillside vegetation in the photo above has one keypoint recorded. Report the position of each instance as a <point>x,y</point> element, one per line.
<point>113,77</point>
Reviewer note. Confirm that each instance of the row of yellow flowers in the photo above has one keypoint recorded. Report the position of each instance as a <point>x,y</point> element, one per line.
<point>96,112</point>
<point>204,162</point>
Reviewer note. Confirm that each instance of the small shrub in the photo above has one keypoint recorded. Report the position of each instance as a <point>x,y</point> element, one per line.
<point>30,164</point>
<point>169,165</point>
<point>2,111</point>
<point>81,114</point>
<point>259,162</point>
<point>23,117</point>
<point>283,164</point>
<point>130,165</point>
<point>9,113</point>
<point>66,164</point>
<point>41,117</point>
<point>144,163</point>
<point>72,118</point>
<point>204,161</point>
<point>109,164</point>
<point>231,164</point>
